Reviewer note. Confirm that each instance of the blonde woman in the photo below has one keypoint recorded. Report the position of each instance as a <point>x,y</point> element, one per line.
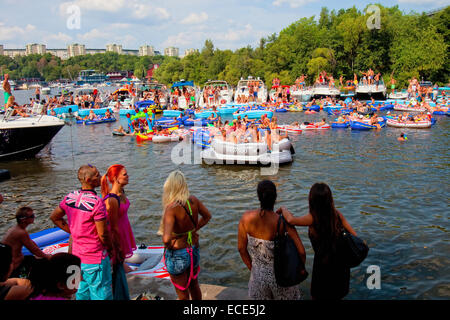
<point>183,216</point>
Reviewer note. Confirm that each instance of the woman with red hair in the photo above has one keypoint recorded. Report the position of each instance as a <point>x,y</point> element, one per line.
<point>117,205</point>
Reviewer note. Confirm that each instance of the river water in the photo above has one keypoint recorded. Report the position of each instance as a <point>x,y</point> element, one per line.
<point>395,195</point>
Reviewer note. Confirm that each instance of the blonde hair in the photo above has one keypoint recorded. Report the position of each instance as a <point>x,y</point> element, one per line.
<point>175,191</point>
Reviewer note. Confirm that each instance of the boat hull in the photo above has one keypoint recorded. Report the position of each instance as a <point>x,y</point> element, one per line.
<point>23,143</point>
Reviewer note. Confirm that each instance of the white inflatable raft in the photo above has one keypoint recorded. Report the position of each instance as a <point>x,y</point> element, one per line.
<point>222,152</point>
<point>408,124</point>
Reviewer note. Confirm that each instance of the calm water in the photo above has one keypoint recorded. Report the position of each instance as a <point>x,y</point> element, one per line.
<point>395,195</point>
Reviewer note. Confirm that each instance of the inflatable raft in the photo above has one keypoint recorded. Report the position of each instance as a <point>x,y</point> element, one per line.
<point>340,125</point>
<point>408,124</point>
<point>147,261</point>
<point>222,152</point>
<point>175,136</point>
<point>408,108</point>
<point>361,125</point>
<point>98,112</point>
<point>313,126</point>
<point>290,129</point>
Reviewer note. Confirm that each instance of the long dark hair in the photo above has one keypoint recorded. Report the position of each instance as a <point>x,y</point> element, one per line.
<point>47,275</point>
<point>326,223</point>
<point>267,194</point>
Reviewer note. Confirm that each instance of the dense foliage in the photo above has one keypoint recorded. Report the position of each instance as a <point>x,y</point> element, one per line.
<point>339,42</point>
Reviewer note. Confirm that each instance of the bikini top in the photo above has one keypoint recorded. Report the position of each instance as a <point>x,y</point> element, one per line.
<point>189,233</point>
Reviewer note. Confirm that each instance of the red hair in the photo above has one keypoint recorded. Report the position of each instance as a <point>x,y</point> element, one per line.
<point>111,174</point>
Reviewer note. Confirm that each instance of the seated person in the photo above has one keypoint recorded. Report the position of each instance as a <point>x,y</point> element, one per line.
<point>321,123</point>
<point>11,289</point>
<point>17,237</point>
<point>108,114</point>
<point>91,117</point>
<point>212,117</point>
<point>122,130</point>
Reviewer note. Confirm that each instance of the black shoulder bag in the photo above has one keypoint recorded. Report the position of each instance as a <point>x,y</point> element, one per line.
<point>288,264</point>
<point>354,249</point>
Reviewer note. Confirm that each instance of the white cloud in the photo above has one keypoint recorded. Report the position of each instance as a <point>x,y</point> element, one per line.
<point>8,33</point>
<point>144,10</point>
<point>93,35</point>
<point>292,3</point>
<point>139,9</point>
<point>195,18</point>
<point>93,5</point>
<point>60,37</point>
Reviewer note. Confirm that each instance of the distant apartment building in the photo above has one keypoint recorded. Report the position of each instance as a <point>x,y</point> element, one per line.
<point>95,51</point>
<point>171,52</point>
<point>60,53</point>
<point>14,52</point>
<point>35,48</point>
<point>76,49</point>
<point>189,51</point>
<point>1,50</point>
<point>146,51</point>
<point>117,48</point>
<point>130,52</point>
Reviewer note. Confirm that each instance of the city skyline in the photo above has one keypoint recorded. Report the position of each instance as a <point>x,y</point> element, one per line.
<point>185,25</point>
<point>77,49</point>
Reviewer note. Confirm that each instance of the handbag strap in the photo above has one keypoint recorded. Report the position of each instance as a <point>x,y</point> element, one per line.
<point>279,223</point>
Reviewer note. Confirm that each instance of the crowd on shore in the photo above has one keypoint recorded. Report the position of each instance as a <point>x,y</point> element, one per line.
<point>101,238</point>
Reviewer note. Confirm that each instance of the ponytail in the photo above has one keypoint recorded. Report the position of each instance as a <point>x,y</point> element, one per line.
<point>104,185</point>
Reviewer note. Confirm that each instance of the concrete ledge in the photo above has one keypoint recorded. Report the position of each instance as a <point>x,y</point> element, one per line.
<point>165,289</point>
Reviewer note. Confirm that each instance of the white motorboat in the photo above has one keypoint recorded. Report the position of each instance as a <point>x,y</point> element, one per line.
<point>22,138</point>
<point>242,89</point>
<point>366,92</point>
<point>225,94</point>
<point>399,95</point>
<point>324,90</point>
<point>303,95</point>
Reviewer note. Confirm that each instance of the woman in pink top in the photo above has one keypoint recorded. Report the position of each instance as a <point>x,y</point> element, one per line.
<point>117,205</point>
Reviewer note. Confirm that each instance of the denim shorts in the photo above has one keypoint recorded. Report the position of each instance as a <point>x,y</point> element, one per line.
<point>178,261</point>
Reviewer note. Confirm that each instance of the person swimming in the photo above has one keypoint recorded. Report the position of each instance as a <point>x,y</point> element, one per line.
<point>402,137</point>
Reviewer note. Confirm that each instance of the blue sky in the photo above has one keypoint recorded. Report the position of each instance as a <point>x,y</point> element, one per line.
<point>230,24</point>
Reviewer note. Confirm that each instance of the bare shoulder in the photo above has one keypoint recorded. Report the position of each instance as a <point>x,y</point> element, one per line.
<point>249,215</point>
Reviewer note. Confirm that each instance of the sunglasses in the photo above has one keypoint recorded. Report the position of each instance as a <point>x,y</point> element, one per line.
<point>28,217</point>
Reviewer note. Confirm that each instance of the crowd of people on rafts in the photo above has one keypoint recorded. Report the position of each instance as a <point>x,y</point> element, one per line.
<point>187,93</point>
<point>211,95</point>
<point>101,238</point>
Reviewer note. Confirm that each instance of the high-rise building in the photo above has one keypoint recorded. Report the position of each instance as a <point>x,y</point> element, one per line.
<point>1,50</point>
<point>171,52</point>
<point>146,51</point>
<point>76,49</point>
<point>117,48</point>
<point>35,48</point>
